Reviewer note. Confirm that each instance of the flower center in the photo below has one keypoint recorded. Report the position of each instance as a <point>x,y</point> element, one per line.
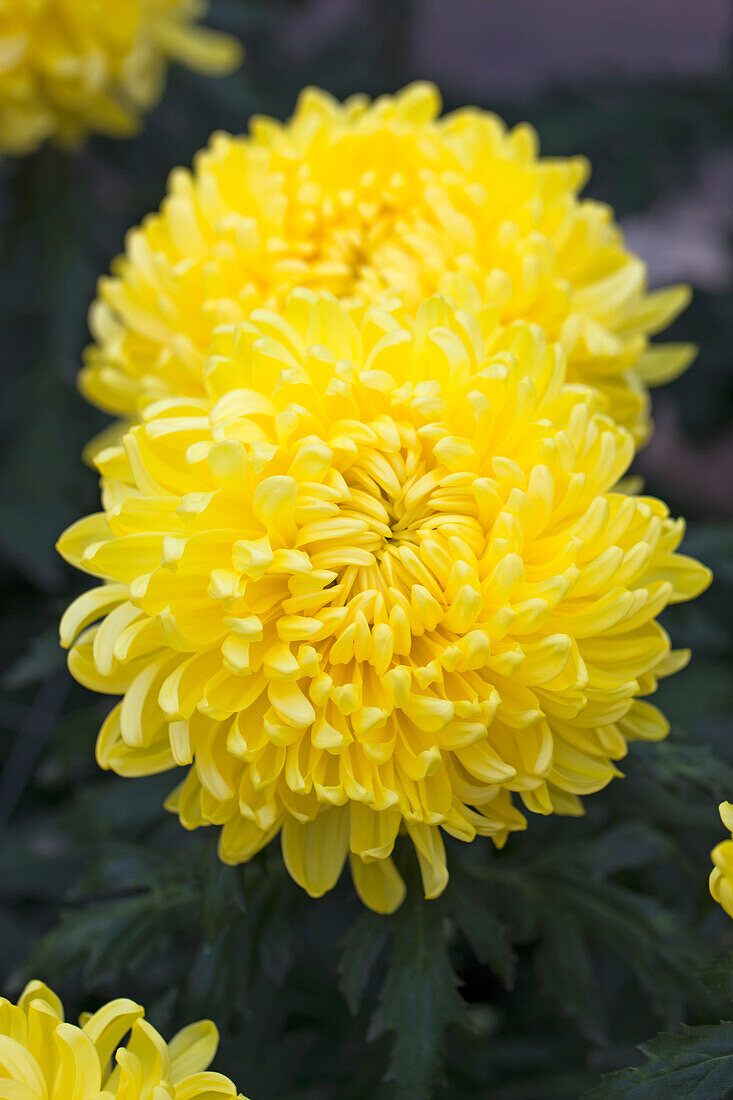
<point>399,500</point>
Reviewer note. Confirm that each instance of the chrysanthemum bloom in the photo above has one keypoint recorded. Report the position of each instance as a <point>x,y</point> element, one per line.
<point>44,1058</point>
<point>359,198</point>
<point>721,876</point>
<point>70,66</point>
<point>382,583</point>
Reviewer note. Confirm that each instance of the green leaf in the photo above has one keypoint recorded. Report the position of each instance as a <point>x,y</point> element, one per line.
<point>565,884</point>
<point>275,912</point>
<point>648,938</point>
<point>362,946</point>
<point>697,1064</point>
<point>131,905</point>
<point>219,978</point>
<point>107,940</point>
<point>718,976</point>
<point>419,998</point>
<point>220,898</point>
<point>487,936</point>
<point>676,762</point>
<point>566,971</point>
<point>43,657</point>
<point>627,847</point>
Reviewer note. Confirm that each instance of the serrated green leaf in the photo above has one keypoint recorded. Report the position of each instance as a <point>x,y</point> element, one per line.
<point>487,936</point>
<point>273,904</point>
<point>220,897</point>
<point>566,972</point>
<point>676,762</point>
<point>362,946</point>
<point>419,998</point>
<point>109,939</point>
<point>558,886</point>
<point>646,937</point>
<point>697,1064</point>
<point>626,847</point>
<point>219,981</point>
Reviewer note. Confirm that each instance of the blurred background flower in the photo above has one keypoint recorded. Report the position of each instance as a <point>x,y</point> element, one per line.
<point>359,198</point>
<point>70,66</point>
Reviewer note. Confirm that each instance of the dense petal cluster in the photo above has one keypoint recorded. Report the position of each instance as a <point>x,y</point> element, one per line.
<point>721,876</point>
<point>113,1054</point>
<point>69,66</point>
<point>377,578</point>
<point>358,198</point>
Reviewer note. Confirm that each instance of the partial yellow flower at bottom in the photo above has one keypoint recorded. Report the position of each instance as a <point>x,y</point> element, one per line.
<point>377,579</point>
<point>721,876</point>
<point>113,1053</point>
<point>70,66</point>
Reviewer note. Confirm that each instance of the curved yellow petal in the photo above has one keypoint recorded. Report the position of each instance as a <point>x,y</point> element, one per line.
<point>431,857</point>
<point>378,884</point>
<point>192,1049</point>
<point>314,852</point>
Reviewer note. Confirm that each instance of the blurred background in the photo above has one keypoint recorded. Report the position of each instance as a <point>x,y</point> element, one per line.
<point>104,897</point>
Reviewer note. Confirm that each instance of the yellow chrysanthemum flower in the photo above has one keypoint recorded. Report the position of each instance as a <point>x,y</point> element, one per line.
<point>44,1058</point>
<point>376,578</point>
<point>721,876</point>
<point>70,66</point>
<point>361,198</point>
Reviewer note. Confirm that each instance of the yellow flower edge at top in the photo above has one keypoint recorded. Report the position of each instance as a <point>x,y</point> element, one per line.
<point>71,66</point>
<point>113,1053</point>
<point>365,197</point>
<point>377,579</point>
<point>721,876</point>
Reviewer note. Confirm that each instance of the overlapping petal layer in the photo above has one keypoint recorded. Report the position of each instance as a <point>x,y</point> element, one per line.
<point>721,876</point>
<point>359,198</point>
<point>69,66</point>
<point>113,1054</point>
<point>375,578</point>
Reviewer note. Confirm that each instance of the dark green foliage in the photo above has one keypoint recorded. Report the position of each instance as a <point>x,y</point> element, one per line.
<point>487,937</point>
<point>718,976</point>
<point>418,998</point>
<point>697,1063</point>
<point>567,901</point>
<point>362,947</point>
<point>542,966</point>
